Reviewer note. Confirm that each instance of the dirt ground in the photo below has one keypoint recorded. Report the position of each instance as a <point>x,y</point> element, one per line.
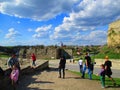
<point>48,80</point>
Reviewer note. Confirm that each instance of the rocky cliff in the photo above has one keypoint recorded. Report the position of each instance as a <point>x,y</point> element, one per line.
<point>114,34</point>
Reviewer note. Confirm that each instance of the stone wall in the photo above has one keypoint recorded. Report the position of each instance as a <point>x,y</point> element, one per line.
<point>45,53</point>
<point>114,34</point>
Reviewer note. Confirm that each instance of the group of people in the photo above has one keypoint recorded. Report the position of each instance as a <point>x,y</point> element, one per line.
<point>86,65</point>
<point>14,66</point>
<point>83,67</point>
<point>105,69</point>
<point>13,70</point>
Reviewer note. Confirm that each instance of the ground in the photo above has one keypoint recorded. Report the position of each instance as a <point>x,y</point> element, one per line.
<point>48,80</point>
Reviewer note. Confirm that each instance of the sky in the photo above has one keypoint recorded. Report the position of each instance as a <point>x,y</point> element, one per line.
<point>49,22</point>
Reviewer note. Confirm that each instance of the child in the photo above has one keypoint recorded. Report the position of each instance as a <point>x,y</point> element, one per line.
<point>14,76</point>
<point>83,70</point>
<point>102,75</point>
<point>80,62</point>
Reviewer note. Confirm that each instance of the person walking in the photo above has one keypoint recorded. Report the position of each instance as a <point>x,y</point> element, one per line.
<point>108,71</point>
<point>33,59</point>
<point>102,75</point>
<point>62,64</point>
<point>87,65</point>
<point>80,62</point>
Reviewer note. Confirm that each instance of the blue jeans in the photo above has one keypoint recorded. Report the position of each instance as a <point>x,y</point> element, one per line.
<point>89,72</point>
<point>81,68</point>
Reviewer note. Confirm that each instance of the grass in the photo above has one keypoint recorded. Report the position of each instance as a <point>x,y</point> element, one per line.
<point>97,78</point>
<point>111,52</point>
<point>111,55</point>
<point>3,56</point>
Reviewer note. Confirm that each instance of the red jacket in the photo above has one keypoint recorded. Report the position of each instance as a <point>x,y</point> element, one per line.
<point>33,57</point>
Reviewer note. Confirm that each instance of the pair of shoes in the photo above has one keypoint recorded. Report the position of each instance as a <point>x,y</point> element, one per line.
<point>82,77</point>
<point>59,77</point>
<point>103,86</point>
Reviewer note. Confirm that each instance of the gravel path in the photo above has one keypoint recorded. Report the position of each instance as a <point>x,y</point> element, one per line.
<point>48,80</point>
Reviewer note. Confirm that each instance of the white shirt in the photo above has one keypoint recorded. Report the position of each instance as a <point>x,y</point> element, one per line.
<point>80,62</point>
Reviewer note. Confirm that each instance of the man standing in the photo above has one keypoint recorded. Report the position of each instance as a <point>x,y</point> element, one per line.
<point>62,66</point>
<point>87,66</point>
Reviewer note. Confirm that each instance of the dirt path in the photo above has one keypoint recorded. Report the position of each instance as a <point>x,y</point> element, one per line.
<point>48,80</point>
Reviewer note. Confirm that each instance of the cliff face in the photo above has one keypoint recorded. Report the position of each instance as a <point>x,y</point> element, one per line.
<point>114,34</point>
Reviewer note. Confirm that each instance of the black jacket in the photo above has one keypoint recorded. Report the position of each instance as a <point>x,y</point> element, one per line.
<point>62,63</point>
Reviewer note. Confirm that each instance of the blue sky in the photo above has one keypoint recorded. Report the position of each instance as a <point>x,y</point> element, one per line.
<point>49,22</point>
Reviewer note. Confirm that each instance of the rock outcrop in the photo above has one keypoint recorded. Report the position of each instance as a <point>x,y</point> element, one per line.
<point>114,34</point>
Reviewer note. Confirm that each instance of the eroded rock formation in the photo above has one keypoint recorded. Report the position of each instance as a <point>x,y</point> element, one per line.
<point>114,34</point>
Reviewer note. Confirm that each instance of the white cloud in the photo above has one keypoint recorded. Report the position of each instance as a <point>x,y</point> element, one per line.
<point>43,28</point>
<point>79,26</point>
<point>97,37</point>
<point>87,16</point>
<point>12,34</point>
<point>42,32</point>
<point>93,13</point>
<point>36,9</point>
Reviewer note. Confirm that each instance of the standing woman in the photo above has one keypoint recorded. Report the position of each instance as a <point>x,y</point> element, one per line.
<point>33,60</point>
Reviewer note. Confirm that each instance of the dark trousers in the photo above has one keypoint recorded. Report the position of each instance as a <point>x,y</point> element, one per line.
<point>63,71</point>
<point>33,63</point>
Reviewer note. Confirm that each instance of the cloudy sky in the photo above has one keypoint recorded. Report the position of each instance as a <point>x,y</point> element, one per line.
<point>49,22</point>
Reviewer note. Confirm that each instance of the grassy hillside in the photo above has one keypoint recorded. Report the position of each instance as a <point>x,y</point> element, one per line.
<point>98,52</point>
<point>112,52</point>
